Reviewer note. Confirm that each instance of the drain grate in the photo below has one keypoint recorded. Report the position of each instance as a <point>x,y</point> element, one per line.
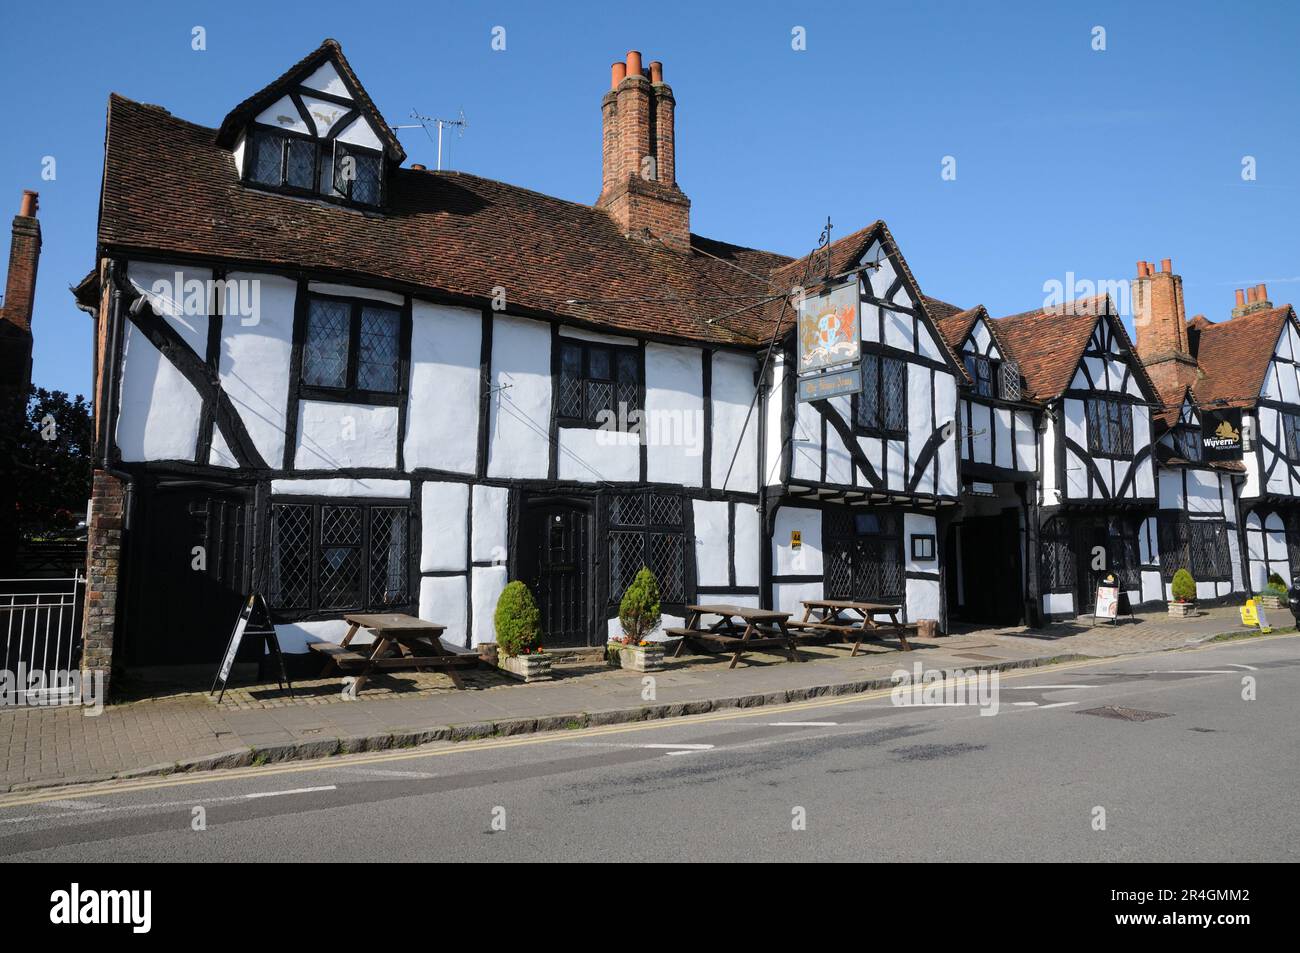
<point>1125,714</point>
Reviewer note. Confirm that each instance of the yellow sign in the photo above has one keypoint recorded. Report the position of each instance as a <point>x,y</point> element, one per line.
<point>1226,431</point>
<point>1253,615</point>
<point>796,539</point>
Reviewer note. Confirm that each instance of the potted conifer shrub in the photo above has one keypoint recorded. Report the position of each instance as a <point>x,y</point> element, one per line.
<point>1183,590</point>
<point>1274,592</point>
<point>519,635</point>
<point>639,615</point>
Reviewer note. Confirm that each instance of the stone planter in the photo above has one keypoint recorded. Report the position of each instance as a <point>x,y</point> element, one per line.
<point>1182,610</point>
<point>927,628</point>
<point>639,658</point>
<point>527,668</point>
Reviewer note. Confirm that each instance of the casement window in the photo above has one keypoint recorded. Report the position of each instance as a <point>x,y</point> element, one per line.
<point>351,347</point>
<point>1291,430</point>
<point>1199,546</point>
<point>648,529</point>
<point>864,555</point>
<point>1124,555</point>
<point>1110,427</point>
<point>301,164</point>
<point>1056,556</point>
<point>597,383</point>
<point>984,373</point>
<point>880,409</point>
<point>339,555</point>
<point>1187,442</point>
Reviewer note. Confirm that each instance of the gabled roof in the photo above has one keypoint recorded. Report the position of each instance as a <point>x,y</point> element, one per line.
<point>1234,356</point>
<point>329,51</point>
<point>954,323</point>
<point>170,189</point>
<point>1048,343</point>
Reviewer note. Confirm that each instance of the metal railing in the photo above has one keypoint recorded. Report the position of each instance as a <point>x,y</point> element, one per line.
<point>40,630</point>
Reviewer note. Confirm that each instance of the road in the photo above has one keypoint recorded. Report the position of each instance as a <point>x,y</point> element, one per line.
<point>1214,779</point>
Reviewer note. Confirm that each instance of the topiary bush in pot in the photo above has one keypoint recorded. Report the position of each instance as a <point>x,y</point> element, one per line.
<point>518,620</point>
<point>1183,592</point>
<point>639,611</point>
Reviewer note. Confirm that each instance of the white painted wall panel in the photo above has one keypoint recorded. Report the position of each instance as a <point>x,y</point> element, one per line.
<point>443,600</point>
<point>158,415</point>
<point>839,465</point>
<point>343,486</point>
<point>674,419</point>
<point>333,436</point>
<point>1026,457</point>
<point>898,330</point>
<point>712,540</point>
<point>1171,489</point>
<point>590,456</point>
<point>981,428</point>
<point>486,585</point>
<point>749,543</point>
<point>789,596</point>
<point>1002,438</point>
<point>256,350</point>
<point>732,390</point>
<point>490,529</point>
<point>807,560</point>
<point>443,525</point>
<point>443,402</point>
<point>922,599</point>
<point>945,405</point>
<point>520,407</point>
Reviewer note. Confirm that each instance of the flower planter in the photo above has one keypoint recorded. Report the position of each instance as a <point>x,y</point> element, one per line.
<point>927,628</point>
<point>1270,601</point>
<point>1182,610</point>
<point>535,667</point>
<point>639,658</point>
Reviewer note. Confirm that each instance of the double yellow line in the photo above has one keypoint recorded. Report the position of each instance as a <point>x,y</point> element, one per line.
<point>496,744</point>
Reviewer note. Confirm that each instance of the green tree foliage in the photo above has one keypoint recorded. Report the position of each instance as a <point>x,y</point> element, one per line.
<point>639,610</point>
<point>518,620</point>
<point>1184,586</point>
<point>47,450</point>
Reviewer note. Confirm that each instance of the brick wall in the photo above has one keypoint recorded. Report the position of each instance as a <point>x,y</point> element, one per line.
<point>103,564</point>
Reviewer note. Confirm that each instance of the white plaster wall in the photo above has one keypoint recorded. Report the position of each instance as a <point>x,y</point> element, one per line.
<point>443,518</point>
<point>898,330</point>
<point>158,414</point>
<point>327,80</point>
<point>1058,602</point>
<point>181,296</point>
<point>443,401</point>
<point>343,486</point>
<point>774,437</point>
<point>919,524</point>
<point>732,390</point>
<point>487,583</point>
<point>1026,458</point>
<point>614,628</point>
<point>919,423</point>
<point>1171,489</point>
<point>895,465</point>
<point>789,596</point>
<point>749,542</point>
<point>442,600</point>
<point>520,407</point>
<point>674,414</point>
<point>333,436</point>
<point>945,405</point>
<point>806,443</point>
<point>1152,588</point>
<point>360,133</point>
<point>295,637</point>
<point>1076,476</point>
<point>1051,478</point>
<point>490,529</point>
<point>1203,492</point>
<point>593,455</point>
<point>922,599</point>
<point>283,114</point>
<point>712,538</point>
<point>839,465</point>
<point>981,426</point>
<point>256,350</point>
<point>1002,438</point>
<point>807,560</point>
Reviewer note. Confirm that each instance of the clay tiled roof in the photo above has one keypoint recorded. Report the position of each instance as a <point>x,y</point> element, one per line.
<point>1234,355</point>
<point>1048,343</point>
<point>170,189</point>
<point>954,323</point>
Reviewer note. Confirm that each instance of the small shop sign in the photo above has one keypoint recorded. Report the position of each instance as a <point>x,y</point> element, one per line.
<point>829,331</point>
<point>836,384</point>
<point>1221,435</point>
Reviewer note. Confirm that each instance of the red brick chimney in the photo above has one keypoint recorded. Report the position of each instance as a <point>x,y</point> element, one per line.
<point>1160,320</point>
<point>20,291</point>
<point>1251,300</point>
<point>639,169</point>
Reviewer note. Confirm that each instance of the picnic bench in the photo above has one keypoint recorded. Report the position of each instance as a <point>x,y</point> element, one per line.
<point>739,629</point>
<point>415,642</point>
<point>847,620</point>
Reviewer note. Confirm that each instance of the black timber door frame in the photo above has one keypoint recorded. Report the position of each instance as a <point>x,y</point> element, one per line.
<point>556,550</point>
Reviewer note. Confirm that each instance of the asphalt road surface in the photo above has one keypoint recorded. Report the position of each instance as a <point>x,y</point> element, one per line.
<point>1198,774</point>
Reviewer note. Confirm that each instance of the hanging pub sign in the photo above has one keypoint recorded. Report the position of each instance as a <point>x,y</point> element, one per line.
<point>829,344</point>
<point>1220,435</point>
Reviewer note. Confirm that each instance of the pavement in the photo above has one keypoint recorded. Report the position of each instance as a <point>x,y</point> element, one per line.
<point>1165,756</point>
<point>185,731</point>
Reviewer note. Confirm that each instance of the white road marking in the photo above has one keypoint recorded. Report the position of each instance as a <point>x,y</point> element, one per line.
<point>1031,688</point>
<point>678,747</point>
<point>802,724</point>
<point>1249,668</point>
<point>381,773</point>
<point>1025,704</point>
<point>74,805</point>
<point>323,787</point>
<point>1199,671</point>
<point>1057,705</point>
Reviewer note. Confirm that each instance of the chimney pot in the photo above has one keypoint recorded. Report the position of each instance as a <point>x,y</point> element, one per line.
<point>1142,269</point>
<point>633,62</point>
<point>656,72</point>
<point>1166,265</point>
<point>31,202</point>
<point>617,73</point>
<point>1261,293</point>
<point>1241,297</point>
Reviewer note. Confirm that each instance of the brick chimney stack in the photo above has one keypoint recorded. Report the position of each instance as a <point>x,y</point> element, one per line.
<point>639,168</point>
<point>1251,300</point>
<point>20,291</point>
<point>1160,320</point>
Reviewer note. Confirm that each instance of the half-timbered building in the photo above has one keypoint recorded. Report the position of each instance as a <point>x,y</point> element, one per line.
<point>991,577</point>
<point>1098,482</point>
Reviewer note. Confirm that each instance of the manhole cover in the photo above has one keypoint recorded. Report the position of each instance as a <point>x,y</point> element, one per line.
<point>1124,714</point>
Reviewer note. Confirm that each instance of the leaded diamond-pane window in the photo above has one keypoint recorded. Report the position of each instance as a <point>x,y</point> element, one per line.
<point>357,174</point>
<point>863,556</point>
<point>1056,554</point>
<point>1199,546</point>
<point>352,345</point>
<point>266,157</point>
<point>377,354</point>
<point>325,351</point>
<point>1110,427</point>
<point>339,556</point>
<point>648,529</point>
<point>299,163</point>
<point>880,409</point>
<point>597,383</point>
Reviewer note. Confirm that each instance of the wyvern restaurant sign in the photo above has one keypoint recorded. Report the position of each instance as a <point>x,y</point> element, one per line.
<point>1220,435</point>
<point>829,344</point>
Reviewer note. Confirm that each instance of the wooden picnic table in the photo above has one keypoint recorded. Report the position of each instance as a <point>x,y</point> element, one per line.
<point>852,620</point>
<point>415,641</point>
<point>738,629</point>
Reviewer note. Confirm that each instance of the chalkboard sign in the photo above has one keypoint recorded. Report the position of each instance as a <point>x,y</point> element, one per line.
<point>255,621</point>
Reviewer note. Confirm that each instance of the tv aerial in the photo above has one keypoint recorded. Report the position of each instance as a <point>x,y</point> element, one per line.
<point>424,122</point>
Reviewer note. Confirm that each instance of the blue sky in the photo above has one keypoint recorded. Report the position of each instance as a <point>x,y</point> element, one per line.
<point>1068,159</point>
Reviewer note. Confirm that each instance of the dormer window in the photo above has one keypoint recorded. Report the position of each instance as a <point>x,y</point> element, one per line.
<point>332,169</point>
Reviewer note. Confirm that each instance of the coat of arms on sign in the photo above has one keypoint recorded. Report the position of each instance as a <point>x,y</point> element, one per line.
<point>828,329</point>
